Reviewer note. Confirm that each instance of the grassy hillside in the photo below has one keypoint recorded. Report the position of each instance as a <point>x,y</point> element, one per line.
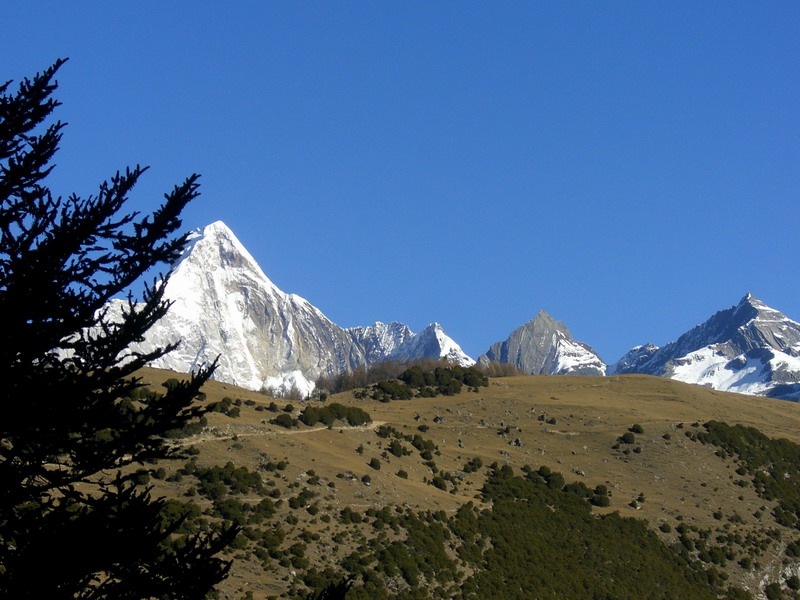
<point>460,496</point>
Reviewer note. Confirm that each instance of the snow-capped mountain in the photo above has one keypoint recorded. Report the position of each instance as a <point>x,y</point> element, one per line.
<point>432,342</point>
<point>223,304</point>
<point>395,341</point>
<point>633,359</point>
<point>381,339</point>
<point>749,348</point>
<point>545,346</point>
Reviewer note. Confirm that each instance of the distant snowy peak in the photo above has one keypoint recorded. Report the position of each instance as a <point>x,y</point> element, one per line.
<point>545,346</point>
<point>758,371</point>
<point>224,305</point>
<point>633,359</point>
<point>749,324</point>
<point>395,341</point>
<point>380,340</point>
<point>575,358</point>
<point>749,348</point>
<point>433,342</point>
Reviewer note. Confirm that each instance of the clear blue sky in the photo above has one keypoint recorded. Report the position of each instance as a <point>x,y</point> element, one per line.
<point>629,167</point>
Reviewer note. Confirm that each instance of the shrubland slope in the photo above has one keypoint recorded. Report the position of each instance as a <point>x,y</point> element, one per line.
<point>531,486</point>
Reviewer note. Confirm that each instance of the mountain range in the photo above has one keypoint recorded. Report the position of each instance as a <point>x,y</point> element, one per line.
<point>224,305</point>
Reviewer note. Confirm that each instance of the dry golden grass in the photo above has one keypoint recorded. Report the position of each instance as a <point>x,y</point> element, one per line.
<point>678,477</point>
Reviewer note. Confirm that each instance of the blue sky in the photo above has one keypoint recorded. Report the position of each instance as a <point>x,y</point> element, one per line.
<point>629,167</point>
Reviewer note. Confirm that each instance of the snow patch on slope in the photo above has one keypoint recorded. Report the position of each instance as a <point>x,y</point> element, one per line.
<point>285,384</point>
<point>574,357</point>
<point>749,373</point>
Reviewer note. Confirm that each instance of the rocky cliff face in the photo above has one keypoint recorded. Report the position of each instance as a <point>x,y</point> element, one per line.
<point>545,346</point>
<point>224,304</point>
<point>749,348</point>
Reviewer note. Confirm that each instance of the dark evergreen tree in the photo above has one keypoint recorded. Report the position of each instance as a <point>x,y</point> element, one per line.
<point>333,591</point>
<point>72,524</point>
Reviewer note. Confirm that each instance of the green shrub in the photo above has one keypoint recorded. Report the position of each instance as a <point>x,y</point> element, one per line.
<point>227,406</point>
<point>284,420</point>
<point>191,428</point>
<point>348,515</point>
<point>445,380</point>
<point>216,481</point>
<point>301,499</point>
<point>473,465</point>
<point>773,591</point>
<point>398,449</point>
<point>141,477</point>
<point>353,415</point>
<point>439,482</point>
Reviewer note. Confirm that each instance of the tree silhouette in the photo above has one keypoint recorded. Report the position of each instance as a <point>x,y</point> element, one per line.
<point>72,523</point>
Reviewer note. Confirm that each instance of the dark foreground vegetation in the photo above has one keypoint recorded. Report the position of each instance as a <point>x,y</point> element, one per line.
<point>73,524</point>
